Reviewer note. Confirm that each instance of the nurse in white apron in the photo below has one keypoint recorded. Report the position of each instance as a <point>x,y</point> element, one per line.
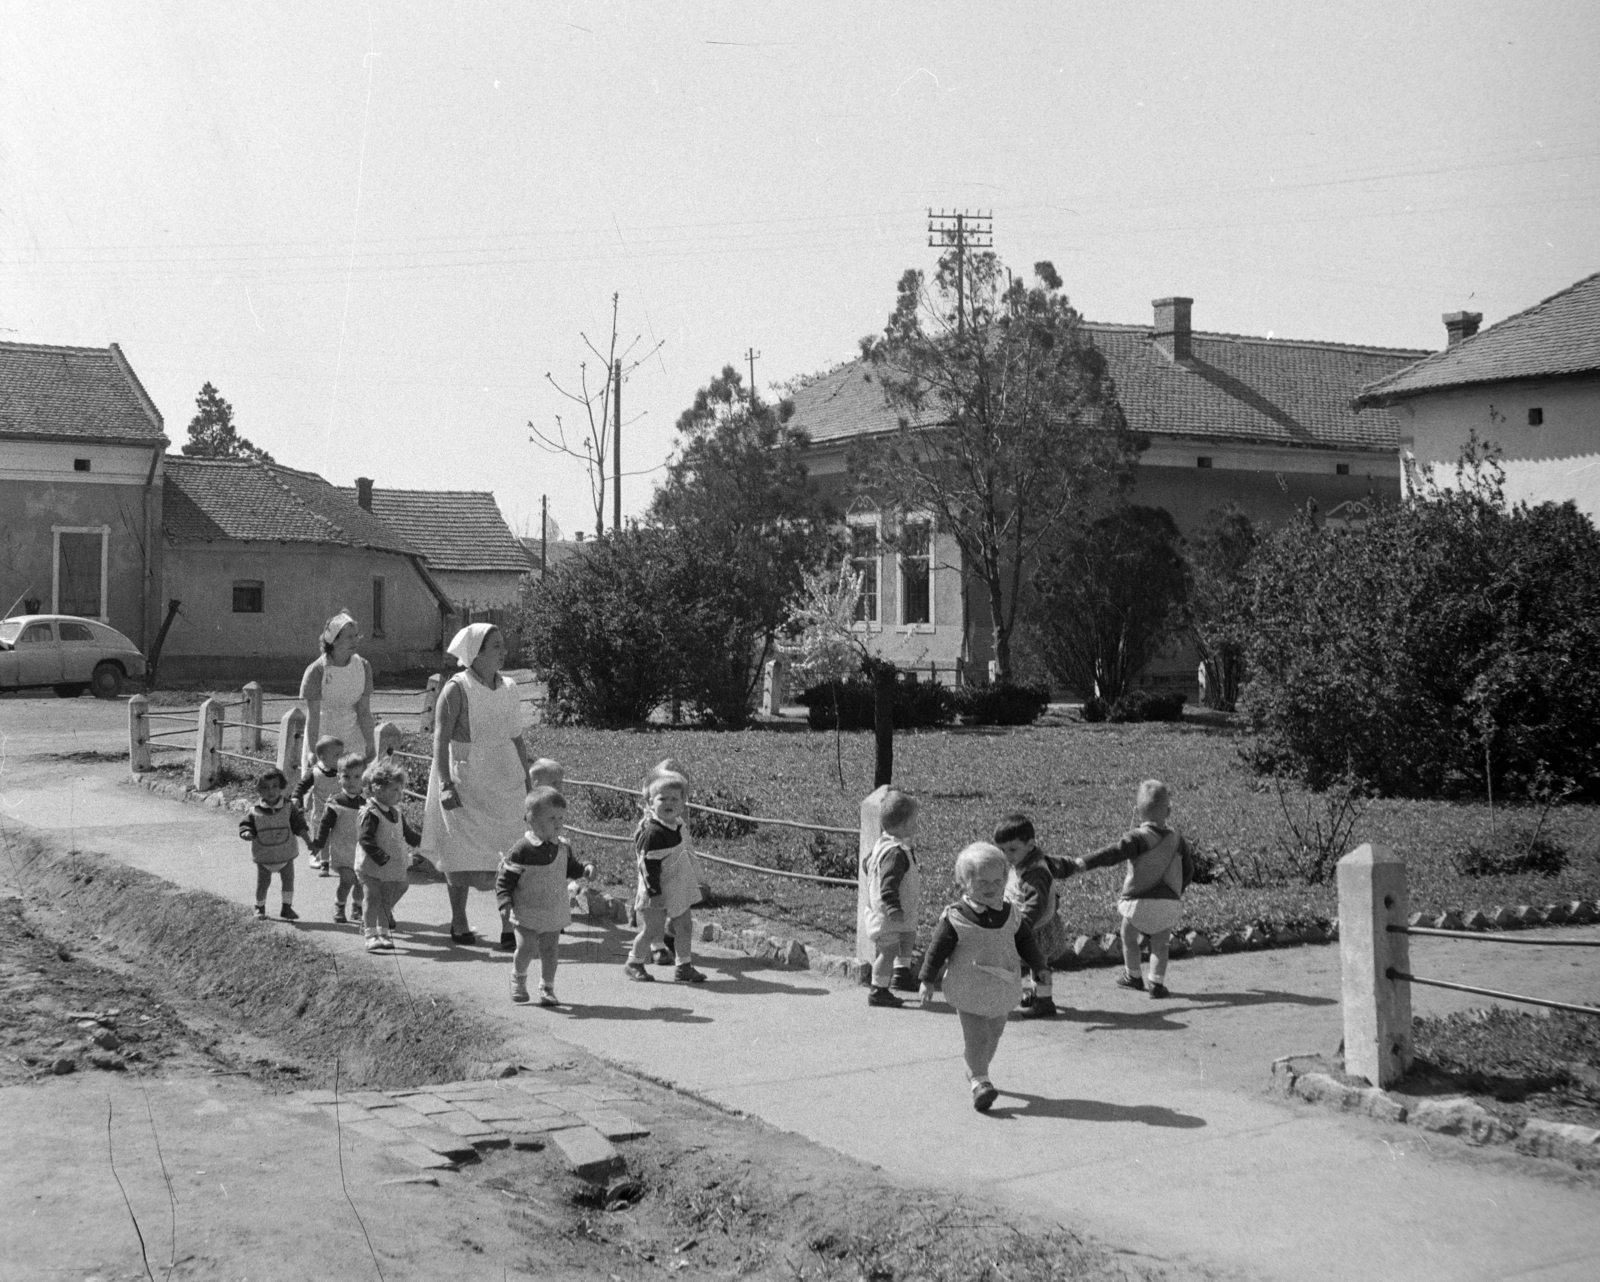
<point>337,691</point>
<point>479,776</point>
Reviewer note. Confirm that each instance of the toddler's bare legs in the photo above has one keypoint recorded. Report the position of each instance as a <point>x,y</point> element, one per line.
<point>549,944</point>
<point>680,930</point>
<point>1130,949</point>
<point>1160,942</point>
<point>885,955</point>
<point>263,884</point>
<point>980,1035</point>
<point>652,922</point>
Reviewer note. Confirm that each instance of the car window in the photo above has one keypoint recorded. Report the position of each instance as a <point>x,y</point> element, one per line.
<point>8,632</point>
<point>34,634</point>
<point>74,632</point>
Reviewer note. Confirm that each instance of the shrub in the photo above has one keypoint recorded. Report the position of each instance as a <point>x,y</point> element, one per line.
<point>832,856</point>
<point>613,806</point>
<point>721,826</point>
<point>1095,709</point>
<point>916,704</point>
<point>1510,852</point>
<point>1002,704</point>
<point>1148,705</point>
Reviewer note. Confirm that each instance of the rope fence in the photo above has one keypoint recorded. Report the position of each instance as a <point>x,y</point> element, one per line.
<point>729,814</point>
<point>1494,939</point>
<point>167,734</point>
<point>175,716</point>
<point>719,859</point>
<point>1392,973</point>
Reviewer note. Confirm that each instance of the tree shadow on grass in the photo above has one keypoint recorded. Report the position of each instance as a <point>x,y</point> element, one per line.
<point>1088,1110</point>
<point>663,1014</point>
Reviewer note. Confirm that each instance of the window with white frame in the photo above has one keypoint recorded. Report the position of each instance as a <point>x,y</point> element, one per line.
<point>865,561</point>
<point>916,572</point>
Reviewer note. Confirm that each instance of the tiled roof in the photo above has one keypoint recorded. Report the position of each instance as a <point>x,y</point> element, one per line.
<point>206,500</point>
<point>1268,390</point>
<point>80,393</point>
<point>1557,337</point>
<point>458,530</point>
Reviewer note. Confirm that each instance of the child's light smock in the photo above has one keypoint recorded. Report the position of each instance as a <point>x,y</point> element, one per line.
<point>984,974</point>
<point>680,872</point>
<point>880,915</point>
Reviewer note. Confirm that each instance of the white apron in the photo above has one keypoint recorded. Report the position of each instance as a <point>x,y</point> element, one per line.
<point>489,780</point>
<point>984,974</point>
<point>540,902</point>
<point>342,689</point>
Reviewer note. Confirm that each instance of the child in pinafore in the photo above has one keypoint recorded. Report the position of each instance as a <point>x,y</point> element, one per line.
<point>894,895</point>
<point>337,833</point>
<point>669,885</point>
<point>532,886</point>
<point>1031,886</point>
<point>382,838</point>
<point>320,783</point>
<point>1160,867</point>
<point>982,943</point>
<point>270,826</point>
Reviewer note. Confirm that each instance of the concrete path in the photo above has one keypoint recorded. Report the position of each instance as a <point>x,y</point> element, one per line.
<point>1146,1124</point>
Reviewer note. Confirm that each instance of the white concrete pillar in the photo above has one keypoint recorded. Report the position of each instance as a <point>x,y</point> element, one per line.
<point>388,737</point>
<point>250,716</point>
<point>871,830</point>
<point>1377,1009</point>
<point>292,743</point>
<point>138,733</point>
<point>430,697</point>
<point>207,745</point>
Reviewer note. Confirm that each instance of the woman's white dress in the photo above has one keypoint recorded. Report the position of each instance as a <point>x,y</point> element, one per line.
<point>489,780</point>
<point>342,689</point>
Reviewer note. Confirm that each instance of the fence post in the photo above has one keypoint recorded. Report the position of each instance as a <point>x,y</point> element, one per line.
<point>250,734</point>
<point>207,744</point>
<point>388,737</point>
<point>292,742</point>
<point>871,830</point>
<point>1377,1009</point>
<point>430,697</point>
<point>138,733</point>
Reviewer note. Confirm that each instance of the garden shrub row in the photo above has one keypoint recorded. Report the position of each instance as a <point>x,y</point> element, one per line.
<point>921,704</point>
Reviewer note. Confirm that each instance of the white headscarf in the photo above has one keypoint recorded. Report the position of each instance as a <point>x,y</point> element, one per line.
<point>466,643</point>
<point>336,625</point>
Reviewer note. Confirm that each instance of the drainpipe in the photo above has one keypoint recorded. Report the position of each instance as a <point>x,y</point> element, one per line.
<point>149,551</point>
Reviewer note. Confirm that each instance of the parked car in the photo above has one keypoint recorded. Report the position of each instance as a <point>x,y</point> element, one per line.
<point>69,654</point>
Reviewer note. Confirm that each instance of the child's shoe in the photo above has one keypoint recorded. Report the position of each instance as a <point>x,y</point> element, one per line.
<point>288,913</point>
<point>388,944</point>
<point>261,912</point>
<point>687,974</point>
<point>636,971</point>
<point>1039,1008</point>
<point>389,920</point>
<point>339,918</point>
<point>1126,980</point>
<point>374,944</point>
<point>327,870</point>
<point>519,988</point>
<point>547,995</point>
<point>663,957</point>
<point>983,1094</point>
<point>1158,991</point>
<point>508,941</point>
<point>883,997</point>
<point>902,980</point>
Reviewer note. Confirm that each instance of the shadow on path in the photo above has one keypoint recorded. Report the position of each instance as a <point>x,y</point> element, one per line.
<point>1088,1110</point>
<point>664,1014</point>
<point>1160,1017</point>
<point>740,980</point>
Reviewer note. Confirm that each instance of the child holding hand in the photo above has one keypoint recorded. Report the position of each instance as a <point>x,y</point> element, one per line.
<point>1031,886</point>
<point>531,887</point>
<point>270,826</point>
<point>382,837</point>
<point>319,783</point>
<point>336,834</point>
<point>982,943</point>
<point>669,886</point>
<point>894,895</point>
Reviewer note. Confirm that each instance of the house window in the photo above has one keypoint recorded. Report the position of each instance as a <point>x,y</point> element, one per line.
<point>1535,416</point>
<point>916,572</point>
<point>80,465</point>
<point>78,581</point>
<point>1341,469</point>
<point>249,596</point>
<point>1203,461</point>
<point>864,561</point>
<point>377,605</point>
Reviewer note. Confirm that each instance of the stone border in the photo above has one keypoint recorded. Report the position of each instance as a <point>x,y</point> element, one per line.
<point>1458,1115</point>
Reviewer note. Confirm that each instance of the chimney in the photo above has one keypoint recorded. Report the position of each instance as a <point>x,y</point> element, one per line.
<point>1172,326</point>
<point>364,492</point>
<point>1461,325</point>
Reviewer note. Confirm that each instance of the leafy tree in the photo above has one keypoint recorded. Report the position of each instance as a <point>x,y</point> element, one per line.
<point>1109,595</point>
<point>212,433</point>
<point>1008,420</point>
<point>750,524</point>
<point>1219,601</point>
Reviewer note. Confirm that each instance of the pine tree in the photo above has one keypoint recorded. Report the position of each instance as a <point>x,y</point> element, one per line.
<point>212,433</point>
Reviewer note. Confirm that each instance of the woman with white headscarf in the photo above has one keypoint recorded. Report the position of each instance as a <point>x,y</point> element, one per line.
<point>479,777</point>
<point>337,690</point>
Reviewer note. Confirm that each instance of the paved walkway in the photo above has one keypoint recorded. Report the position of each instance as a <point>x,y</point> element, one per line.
<point>1146,1124</point>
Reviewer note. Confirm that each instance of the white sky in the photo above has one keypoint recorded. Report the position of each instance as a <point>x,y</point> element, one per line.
<point>375,227</point>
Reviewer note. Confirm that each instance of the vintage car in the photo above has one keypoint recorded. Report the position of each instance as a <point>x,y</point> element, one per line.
<point>69,654</point>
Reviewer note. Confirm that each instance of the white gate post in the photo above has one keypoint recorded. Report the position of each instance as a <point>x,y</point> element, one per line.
<point>1377,1009</point>
<point>138,733</point>
<point>388,735</point>
<point>871,830</point>
<point>292,743</point>
<point>430,697</point>
<point>250,734</point>
<point>207,744</point>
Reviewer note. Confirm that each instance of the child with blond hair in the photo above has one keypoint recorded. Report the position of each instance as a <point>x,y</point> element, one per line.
<point>669,884</point>
<point>319,784</point>
<point>382,838</point>
<point>531,887</point>
<point>1160,867</point>
<point>336,835</point>
<point>982,944</point>
<point>894,895</point>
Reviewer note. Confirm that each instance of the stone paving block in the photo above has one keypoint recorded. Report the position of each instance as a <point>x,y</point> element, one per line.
<point>490,1112</point>
<point>404,1119</point>
<point>422,1157</point>
<point>441,1142</point>
<point>372,1132</point>
<point>370,1099</point>
<point>459,1123</point>
<point>427,1104</point>
<point>604,1094</point>
<point>456,1094</point>
<point>570,1101</point>
<point>316,1097</point>
<point>520,1126</point>
<point>589,1154</point>
<point>613,1125</point>
<point>536,1085</point>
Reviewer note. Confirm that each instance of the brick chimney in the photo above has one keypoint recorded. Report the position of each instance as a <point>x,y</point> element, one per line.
<point>364,492</point>
<point>1461,325</point>
<point>1172,326</point>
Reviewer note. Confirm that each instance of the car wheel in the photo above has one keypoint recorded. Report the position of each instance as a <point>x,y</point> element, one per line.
<point>106,681</point>
<point>70,689</point>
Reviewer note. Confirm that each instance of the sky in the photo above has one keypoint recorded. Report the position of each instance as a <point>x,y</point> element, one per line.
<point>379,229</point>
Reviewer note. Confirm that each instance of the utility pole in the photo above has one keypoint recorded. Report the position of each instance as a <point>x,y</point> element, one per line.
<point>544,535</point>
<point>616,449</point>
<point>961,230</point>
<point>752,356</point>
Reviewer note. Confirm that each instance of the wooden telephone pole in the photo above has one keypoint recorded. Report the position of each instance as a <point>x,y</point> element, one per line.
<point>616,448</point>
<point>961,230</point>
<point>752,356</point>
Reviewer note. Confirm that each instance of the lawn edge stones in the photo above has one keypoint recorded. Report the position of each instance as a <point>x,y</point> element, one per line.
<point>589,1155</point>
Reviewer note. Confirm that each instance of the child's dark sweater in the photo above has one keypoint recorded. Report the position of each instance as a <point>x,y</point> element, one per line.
<point>370,838</point>
<point>945,938</point>
<point>1035,876</point>
<point>655,841</point>
<point>529,854</point>
<point>1141,883</point>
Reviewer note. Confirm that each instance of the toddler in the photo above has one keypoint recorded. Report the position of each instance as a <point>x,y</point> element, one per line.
<point>1031,886</point>
<point>381,841</point>
<point>982,943</point>
<point>669,886</point>
<point>532,887</point>
<point>894,896</point>
<point>320,782</point>
<point>1160,867</point>
<point>270,826</point>
<point>336,836</point>
<point>665,953</point>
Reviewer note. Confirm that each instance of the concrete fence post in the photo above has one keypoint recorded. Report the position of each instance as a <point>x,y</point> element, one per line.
<point>138,733</point>
<point>208,745</point>
<point>250,715</point>
<point>871,830</point>
<point>292,743</point>
<point>388,737</point>
<point>1377,1009</point>
<point>430,697</point>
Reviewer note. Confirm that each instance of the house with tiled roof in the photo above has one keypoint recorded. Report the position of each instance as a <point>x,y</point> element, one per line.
<point>1529,383</point>
<point>260,555</point>
<point>81,449</point>
<point>1264,423</point>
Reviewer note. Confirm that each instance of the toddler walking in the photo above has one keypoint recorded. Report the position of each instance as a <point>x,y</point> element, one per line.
<point>1031,886</point>
<point>382,838</point>
<point>532,887</point>
<point>894,896</point>
<point>982,943</point>
<point>1160,867</point>
<point>270,826</point>
<point>337,834</point>
<point>320,782</point>
<point>669,886</point>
